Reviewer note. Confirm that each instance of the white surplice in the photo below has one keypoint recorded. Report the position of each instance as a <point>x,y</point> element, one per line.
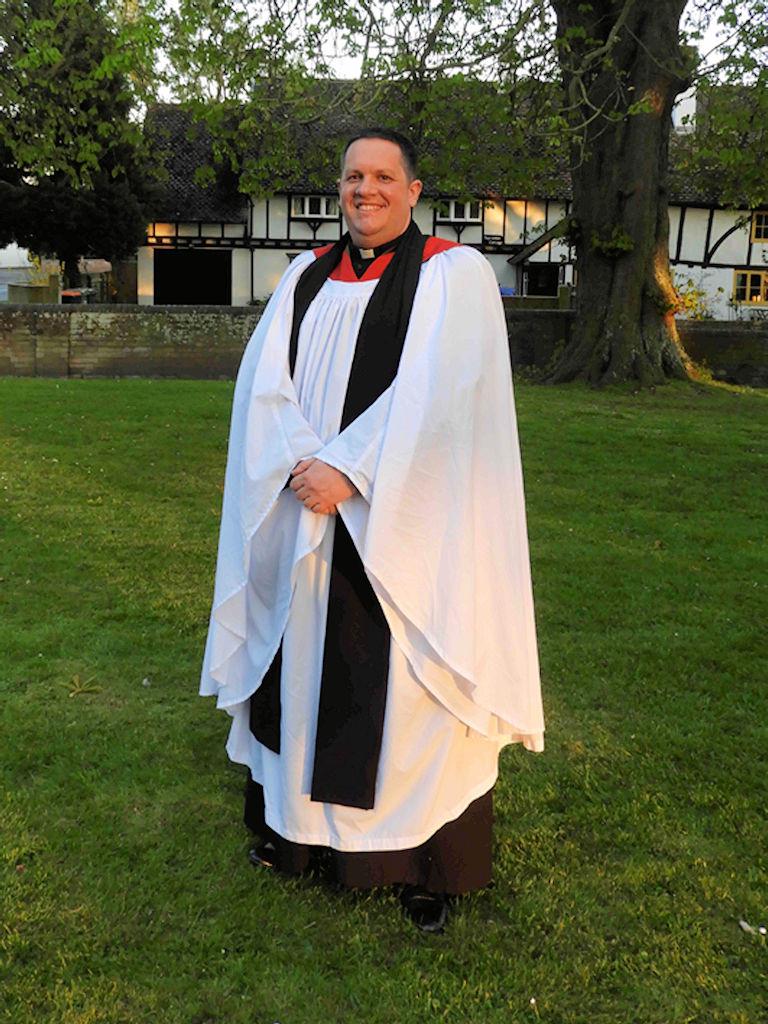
<point>439,522</point>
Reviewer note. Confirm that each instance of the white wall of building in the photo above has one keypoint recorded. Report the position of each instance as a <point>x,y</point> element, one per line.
<point>493,215</point>
<point>674,223</point>
<point>302,232</point>
<point>517,221</point>
<point>506,275</point>
<point>278,218</point>
<point>717,282</point>
<point>734,248</point>
<point>13,256</point>
<point>422,214</point>
<point>527,219</point>
<point>241,277</point>
<point>472,234</point>
<point>258,223</point>
<point>269,265</point>
<point>145,275</point>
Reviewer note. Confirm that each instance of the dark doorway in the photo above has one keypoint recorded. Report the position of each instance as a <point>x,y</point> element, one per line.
<point>543,278</point>
<point>191,277</point>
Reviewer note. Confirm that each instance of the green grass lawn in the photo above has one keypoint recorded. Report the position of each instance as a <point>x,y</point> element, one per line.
<point>625,854</point>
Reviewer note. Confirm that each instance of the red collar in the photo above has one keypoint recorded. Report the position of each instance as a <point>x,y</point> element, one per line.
<point>344,272</point>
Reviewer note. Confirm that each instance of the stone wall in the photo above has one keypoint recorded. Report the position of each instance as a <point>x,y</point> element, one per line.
<point>734,351</point>
<point>122,341</point>
<point>208,341</point>
<point>534,334</point>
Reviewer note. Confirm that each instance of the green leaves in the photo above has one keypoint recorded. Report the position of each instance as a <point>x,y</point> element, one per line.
<point>613,245</point>
<point>73,79</point>
<point>726,150</point>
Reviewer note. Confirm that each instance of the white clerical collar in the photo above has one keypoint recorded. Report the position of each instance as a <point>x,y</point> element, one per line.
<point>379,250</point>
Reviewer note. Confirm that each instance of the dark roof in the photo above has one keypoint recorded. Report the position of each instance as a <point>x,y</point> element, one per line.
<point>686,190</point>
<point>182,146</point>
<point>185,146</point>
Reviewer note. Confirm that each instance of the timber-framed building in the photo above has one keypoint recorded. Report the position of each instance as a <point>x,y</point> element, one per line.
<point>213,245</point>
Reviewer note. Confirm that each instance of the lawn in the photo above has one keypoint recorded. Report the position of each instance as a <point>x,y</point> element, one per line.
<point>625,854</point>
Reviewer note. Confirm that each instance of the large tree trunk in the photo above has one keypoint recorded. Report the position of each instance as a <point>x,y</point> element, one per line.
<point>625,327</point>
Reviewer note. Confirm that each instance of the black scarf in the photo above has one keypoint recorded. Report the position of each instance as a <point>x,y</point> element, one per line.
<point>353,689</point>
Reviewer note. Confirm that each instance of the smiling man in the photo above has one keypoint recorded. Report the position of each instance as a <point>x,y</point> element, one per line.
<point>372,632</point>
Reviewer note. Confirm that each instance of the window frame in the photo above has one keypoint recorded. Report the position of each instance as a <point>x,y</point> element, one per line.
<point>305,198</point>
<point>451,216</point>
<point>746,287</point>
<point>761,217</point>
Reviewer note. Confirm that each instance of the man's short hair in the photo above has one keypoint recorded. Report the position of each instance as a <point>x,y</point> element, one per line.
<point>407,149</point>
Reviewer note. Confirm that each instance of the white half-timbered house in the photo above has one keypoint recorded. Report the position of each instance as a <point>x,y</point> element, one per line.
<point>725,254</point>
<point>214,246</point>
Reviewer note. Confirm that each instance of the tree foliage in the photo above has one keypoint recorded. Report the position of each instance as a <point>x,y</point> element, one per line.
<point>55,219</point>
<point>73,173</point>
<point>277,115</point>
<point>724,146</point>
<point>479,84</point>
<point>256,76</point>
<point>73,72</point>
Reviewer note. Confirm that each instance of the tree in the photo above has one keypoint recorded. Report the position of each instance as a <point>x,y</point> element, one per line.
<point>276,115</point>
<point>259,105</point>
<point>726,145</point>
<point>56,220</point>
<point>497,90</point>
<point>622,69</point>
<point>621,64</point>
<point>73,176</point>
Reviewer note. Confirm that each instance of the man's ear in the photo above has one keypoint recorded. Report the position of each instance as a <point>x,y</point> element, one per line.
<point>414,191</point>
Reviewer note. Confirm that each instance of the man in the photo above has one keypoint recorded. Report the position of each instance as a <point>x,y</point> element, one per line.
<point>372,632</point>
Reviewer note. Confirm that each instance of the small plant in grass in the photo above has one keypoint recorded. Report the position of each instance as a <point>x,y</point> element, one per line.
<point>75,687</point>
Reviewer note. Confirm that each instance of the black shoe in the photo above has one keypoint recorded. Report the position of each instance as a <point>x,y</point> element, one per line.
<point>427,910</point>
<point>264,856</point>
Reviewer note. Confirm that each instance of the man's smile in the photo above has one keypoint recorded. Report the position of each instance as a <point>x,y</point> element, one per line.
<point>376,192</point>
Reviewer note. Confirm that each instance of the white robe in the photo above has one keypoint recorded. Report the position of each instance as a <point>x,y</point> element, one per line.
<point>439,523</point>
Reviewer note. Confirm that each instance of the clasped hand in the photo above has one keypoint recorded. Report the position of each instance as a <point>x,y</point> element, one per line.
<point>320,487</point>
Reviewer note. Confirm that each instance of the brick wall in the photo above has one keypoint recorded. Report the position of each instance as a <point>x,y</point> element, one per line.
<point>208,341</point>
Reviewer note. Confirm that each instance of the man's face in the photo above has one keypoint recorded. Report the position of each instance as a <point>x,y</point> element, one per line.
<point>375,193</point>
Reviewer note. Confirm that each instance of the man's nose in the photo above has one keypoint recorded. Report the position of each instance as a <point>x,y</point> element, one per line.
<point>364,185</point>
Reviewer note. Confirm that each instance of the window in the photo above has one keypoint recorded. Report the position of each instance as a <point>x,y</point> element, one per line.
<point>454,210</point>
<point>163,229</point>
<point>760,226</point>
<point>315,207</point>
<point>751,286</point>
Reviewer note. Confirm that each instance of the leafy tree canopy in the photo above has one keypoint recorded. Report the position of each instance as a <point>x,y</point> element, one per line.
<point>73,75</point>
<point>480,84</point>
<point>73,171</point>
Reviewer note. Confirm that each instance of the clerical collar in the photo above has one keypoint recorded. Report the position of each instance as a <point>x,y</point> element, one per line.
<point>361,259</point>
